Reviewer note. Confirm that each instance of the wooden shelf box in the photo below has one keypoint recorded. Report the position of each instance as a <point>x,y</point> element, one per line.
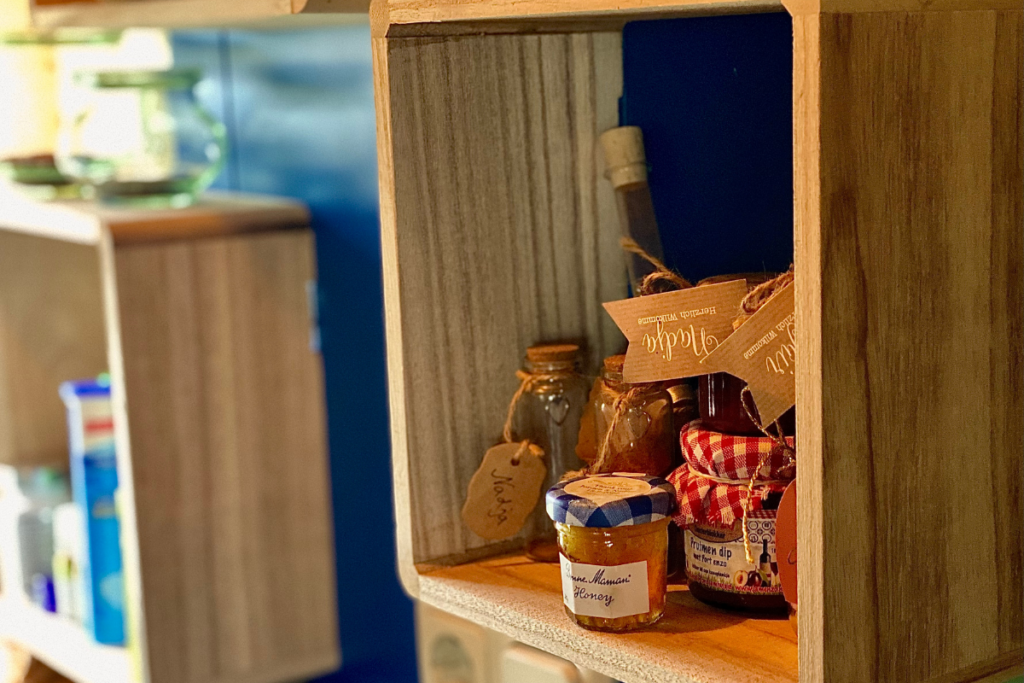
<point>499,231</point>
<point>201,316</point>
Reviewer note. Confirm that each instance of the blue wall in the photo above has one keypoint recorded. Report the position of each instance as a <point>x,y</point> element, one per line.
<point>717,116</point>
<point>298,106</point>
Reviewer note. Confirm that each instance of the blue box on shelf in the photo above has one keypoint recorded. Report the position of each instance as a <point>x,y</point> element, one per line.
<point>93,487</point>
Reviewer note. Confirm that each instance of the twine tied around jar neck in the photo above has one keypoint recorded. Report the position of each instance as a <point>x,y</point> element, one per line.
<point>661,272</point>
<point>526,382</point>
<point>619,407</point>
<point>757,297</point>
<point>746,400</point>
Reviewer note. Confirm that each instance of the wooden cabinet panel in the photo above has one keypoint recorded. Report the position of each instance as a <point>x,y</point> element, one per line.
<point>225,407</point>
<point>505,235</point>
<point>913,290</point>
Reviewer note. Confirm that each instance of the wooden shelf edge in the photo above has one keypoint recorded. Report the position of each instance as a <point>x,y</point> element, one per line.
<point>54,220</point>
<point>693,643</point>
<point>186,13</point>
<point>416,18</point>
<point>216,214</point>
<point>63,645</point>
<point>424,18</point>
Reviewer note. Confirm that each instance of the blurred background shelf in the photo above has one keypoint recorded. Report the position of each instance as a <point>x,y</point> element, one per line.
<point>63,645</point>
<point>216,214</point>
<point>180,13</point>
<point>203,318</point>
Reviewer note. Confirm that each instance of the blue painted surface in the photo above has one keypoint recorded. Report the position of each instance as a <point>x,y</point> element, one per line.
<point>713,96</point>
<point>298,106</point>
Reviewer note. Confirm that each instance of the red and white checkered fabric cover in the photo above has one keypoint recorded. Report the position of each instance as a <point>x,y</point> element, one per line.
<point>726,457</point>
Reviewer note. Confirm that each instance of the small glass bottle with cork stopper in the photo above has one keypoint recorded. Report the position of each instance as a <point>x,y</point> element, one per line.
<point>548,414</point>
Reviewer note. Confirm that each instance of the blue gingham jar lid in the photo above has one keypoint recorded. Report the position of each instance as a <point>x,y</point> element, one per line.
<point>611,500</point>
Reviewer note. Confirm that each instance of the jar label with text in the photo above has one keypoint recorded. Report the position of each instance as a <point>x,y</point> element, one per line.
<point>717,559</point>
<point>590,590</point>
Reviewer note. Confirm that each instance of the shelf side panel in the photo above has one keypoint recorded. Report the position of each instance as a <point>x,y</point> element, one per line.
<point>51,330</point>
<point>918,428</point>
<point>505,235</point>
<point>230,471</point>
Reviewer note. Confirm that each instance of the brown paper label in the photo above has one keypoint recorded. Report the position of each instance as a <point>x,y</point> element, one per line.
<point>670,334</point>
<point>504,491</point>
<point>762,352</point>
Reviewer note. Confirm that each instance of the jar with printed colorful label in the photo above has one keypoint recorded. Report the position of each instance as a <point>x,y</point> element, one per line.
<point>719,571</point>
<point>728,494</point>
<point>613,546</point>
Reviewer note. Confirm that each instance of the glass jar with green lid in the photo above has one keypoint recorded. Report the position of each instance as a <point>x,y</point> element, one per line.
<point>143,139</point>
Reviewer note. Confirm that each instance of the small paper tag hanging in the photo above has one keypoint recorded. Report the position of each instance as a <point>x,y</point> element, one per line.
<point>504,490</point>
<point>670,334</point>
<point>762,352</point>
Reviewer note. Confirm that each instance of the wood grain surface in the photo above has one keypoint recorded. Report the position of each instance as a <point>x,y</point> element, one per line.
<point>499,232</point>
<point>408,18</point>
<point>692,643</point>
<point>909,256</point>
<point>229,466</point>
<point>51,331</point>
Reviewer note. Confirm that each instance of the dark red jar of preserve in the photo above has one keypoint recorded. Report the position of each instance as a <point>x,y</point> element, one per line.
<point>729,533</point>
<point>721,407</point>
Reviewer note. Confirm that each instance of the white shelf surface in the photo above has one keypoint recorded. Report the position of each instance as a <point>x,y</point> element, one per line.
<point>62,644</point>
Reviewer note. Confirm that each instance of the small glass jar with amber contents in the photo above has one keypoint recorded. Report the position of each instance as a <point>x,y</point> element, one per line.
<point>627,427</point>
<point>613,548</point>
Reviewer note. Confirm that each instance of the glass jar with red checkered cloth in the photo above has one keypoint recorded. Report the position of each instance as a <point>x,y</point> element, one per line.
<point>729,524</point>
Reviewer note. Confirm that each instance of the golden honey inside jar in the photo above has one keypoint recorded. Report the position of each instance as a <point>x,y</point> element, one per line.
<point>613,548</point>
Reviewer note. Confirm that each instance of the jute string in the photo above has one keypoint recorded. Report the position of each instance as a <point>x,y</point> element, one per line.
<point>751,304</point>
<point>619,407</point>
<point>661,272</point>
<point>726,480</point>
<point>526,382</point>
<point>759,296</point>
<point>746,399</point>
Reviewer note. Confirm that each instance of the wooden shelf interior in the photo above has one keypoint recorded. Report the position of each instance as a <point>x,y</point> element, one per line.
<point>507,233</point>
<point>51,330</point>
<point>63,645</point>
<point>499,231</point>
<point>692,642</point>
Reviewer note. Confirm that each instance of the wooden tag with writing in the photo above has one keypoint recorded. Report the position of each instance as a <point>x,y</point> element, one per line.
<point>785,542</point>
<point>504,490</point>
<point>762,352</point>
<point>669,334</point>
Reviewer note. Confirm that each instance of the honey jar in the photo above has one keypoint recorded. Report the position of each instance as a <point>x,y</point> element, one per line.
<point>613,548</point>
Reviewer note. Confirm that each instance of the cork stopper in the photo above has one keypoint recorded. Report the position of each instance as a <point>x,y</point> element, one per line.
<point>625,161</point>
<point>552,353</point>
<point>682,393</point>
<point>615,363</point>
